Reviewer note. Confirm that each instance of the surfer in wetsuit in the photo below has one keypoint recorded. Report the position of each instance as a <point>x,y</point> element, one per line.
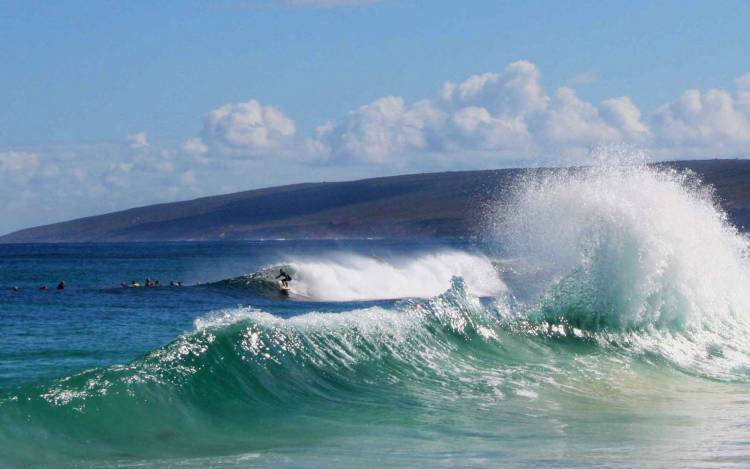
<point>285,278</point>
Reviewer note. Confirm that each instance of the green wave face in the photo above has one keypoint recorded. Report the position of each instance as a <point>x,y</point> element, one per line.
<point>246,381</point>
<point>243,380</point>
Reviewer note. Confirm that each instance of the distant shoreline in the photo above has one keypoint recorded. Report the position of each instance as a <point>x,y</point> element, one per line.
<point>448,205</point>
<point>466,239</point>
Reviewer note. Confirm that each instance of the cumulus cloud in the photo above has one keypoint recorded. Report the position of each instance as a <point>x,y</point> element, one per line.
<point>247,129</point>
<point>622,114</point>
<point>498,116</point>
<point>517,91</point>
<point>571,121</point>
<point>489,119</point>
<point>381,130</point>
<point>475,128</point>
<point>508,116</point>
<point>711,122</point>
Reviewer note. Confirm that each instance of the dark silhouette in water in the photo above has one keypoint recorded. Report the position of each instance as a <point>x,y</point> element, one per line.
<point>61,285</point>
<point>285,278</point>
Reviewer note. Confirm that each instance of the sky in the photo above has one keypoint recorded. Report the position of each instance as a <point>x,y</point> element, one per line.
<point>106,105</point>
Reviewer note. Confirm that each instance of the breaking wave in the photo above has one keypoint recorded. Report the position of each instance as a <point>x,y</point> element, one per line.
<point>342,276</point>
<point>602,269</point>
<point>642,254</point>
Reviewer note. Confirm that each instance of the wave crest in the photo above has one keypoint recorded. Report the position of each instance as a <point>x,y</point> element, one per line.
<point>628,247</point>
<point>341,276</point>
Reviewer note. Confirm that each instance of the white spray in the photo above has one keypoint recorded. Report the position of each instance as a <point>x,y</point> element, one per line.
<point>348,276</point>
<point>629,248</point>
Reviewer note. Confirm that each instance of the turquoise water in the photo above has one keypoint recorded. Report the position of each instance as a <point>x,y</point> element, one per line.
<point>602,321</point>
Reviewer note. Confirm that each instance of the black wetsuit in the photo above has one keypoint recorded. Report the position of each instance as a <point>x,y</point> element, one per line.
<point>285,278</point>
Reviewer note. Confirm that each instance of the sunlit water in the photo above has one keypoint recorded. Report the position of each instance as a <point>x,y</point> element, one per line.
<point>603,320</point>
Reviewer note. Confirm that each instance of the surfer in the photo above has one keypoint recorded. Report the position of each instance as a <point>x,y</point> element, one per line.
<point>285,278</point>
<point>61,285</point>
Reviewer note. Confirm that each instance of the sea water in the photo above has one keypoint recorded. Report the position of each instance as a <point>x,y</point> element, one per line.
<point>602,319</point>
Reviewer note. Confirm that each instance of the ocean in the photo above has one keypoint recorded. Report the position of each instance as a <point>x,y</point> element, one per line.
<point>602,320</point>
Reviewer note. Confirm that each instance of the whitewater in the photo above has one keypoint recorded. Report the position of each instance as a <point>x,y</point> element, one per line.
<point>603,319</point>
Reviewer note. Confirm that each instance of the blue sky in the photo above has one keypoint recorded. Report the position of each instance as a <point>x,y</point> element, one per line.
<point>111,104</point>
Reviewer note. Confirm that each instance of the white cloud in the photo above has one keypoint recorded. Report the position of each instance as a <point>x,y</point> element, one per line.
<point>194,146</point>
<point>247,129</point>
<point>382,130</point>
<point>138,141</point>
<point>570,120</point>
<point>501,117</point>
<point>506,117</point>
<point>474,127</point>
<point>489,119</point>
<point>516,91</point>
<point>622,114</point>
<point>713,123</point>
<point>18,166</point>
